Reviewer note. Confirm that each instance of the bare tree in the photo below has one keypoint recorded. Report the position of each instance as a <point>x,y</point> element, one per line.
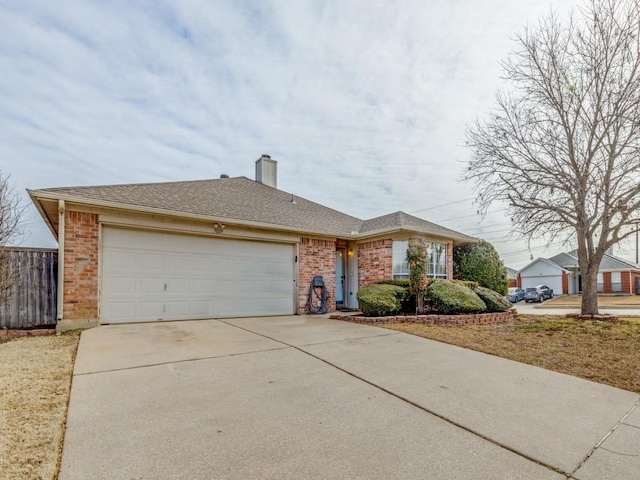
<point>11,210</point>
<point>562,148</point>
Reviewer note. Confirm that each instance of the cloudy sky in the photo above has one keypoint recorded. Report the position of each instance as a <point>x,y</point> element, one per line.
<point>363,103</point>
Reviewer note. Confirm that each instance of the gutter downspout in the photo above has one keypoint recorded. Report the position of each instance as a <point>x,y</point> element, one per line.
<point>61,211</point>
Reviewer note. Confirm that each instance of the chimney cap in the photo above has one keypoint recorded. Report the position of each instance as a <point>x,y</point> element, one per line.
<point>224,175</point>
<point>264,155</point>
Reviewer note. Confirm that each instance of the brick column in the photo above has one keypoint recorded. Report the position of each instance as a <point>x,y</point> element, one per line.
<point>316,257</point>
<point>80,267</point>
<point>449,260</point>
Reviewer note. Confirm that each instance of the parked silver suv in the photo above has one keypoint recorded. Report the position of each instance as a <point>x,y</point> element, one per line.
<point>537,294</point>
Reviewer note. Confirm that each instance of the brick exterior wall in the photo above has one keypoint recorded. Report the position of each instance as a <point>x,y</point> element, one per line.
<point>565,283</point>
<point>606,282</point>
<point>316,257</point>
<point>632,285</point>
<point>375,261</point>
<point>80,267</point>
<point>629,282</point>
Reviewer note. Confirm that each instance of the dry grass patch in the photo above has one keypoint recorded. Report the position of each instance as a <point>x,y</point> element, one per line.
<point>36,379</point>
<point>599,351</point>
<point>604,301</point>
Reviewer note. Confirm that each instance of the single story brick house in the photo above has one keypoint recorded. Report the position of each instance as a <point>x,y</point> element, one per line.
<point>226,247</point>
<point>562,274</point>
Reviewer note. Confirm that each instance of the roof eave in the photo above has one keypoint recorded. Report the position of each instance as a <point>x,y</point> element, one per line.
<point>386,231</point>
<point>36,201</point>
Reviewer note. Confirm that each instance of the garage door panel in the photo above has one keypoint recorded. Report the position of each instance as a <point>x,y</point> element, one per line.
<point>151,285</point>
<point>151,309</point>
<point>121,285</point>
<point>122,310</point>
<point>204,277</point>
<point>122,260</point>
<point>150,262</point>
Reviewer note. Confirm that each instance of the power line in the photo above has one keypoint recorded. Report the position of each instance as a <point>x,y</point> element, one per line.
<point>443,205</point>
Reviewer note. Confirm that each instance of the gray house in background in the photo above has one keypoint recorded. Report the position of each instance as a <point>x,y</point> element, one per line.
<point>562,273</point>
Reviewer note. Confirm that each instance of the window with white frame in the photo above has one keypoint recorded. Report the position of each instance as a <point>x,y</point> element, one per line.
<point>600,282</point>
<point>399,259</point>
<point>616,281</point>
<point>437,258</point>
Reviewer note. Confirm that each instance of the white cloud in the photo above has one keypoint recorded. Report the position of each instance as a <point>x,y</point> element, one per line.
<point>364,104</point>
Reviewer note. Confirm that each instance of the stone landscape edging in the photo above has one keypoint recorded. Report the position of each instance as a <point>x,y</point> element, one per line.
<point>6,334</point>
<point>433,319</point>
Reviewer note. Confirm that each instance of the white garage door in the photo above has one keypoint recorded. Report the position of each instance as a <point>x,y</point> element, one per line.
<point>554,282</point>
<point>149,276</point>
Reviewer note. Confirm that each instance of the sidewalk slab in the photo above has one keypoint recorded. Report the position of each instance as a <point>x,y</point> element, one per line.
<point>553,418</point>
<point>274,414</point>
<point>618,457</point>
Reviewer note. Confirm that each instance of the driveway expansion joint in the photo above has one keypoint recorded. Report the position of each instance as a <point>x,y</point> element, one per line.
<point>186,360</point>
<point>609,433</point>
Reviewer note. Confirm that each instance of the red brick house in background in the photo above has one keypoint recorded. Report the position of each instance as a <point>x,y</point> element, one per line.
<point>512,277</point>
<point>562,274</point>
<point>226,247</point>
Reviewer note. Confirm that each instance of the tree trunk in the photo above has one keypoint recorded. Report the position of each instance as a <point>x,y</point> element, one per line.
<point>590,291</point>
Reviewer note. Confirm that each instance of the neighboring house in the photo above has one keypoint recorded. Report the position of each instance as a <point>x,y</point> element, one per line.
<point>226,247</point>
<point>562,274</point>
<point>512,277</point>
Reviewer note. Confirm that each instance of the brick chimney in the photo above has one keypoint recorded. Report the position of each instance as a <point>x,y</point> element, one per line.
<point>267,171</point>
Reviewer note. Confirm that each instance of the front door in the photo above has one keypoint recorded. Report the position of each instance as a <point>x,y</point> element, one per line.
<point>340,277</point>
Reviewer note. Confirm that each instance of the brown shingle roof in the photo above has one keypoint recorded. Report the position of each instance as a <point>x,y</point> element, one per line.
<point>404,221</point>
<point>242,200</point>
<point>231,198</point>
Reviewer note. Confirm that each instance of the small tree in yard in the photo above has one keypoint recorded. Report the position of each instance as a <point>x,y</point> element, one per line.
<point>479,262</point>
<point>562,146</point>
<point>11,210</point>
<point>417,260</point>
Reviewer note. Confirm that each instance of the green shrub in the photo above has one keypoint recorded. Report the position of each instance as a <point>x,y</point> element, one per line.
<point>450,298</point>
<point>480,262</point>
<point>493,300</point>
<point>380,300</point>
<point>398,282</point>
<point>467,283</point>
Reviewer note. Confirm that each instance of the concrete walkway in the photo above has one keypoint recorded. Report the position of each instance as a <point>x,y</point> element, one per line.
<point>307,397</point>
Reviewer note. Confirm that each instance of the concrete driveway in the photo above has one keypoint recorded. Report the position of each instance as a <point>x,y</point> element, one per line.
<point>305,397</point>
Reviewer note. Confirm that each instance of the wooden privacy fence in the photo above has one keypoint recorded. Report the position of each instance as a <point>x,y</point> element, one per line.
<point>28,291</point>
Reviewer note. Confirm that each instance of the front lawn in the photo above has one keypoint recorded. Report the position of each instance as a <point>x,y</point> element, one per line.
<point>35,379</point>
<point>599,351</point>
<point>604,301</point>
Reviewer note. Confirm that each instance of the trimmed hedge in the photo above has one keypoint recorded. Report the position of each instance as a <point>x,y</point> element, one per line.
<point>493,300</point>
<point>381,300</point>
<point>398,282</point>
<point>451,298</point>
<point>467,283</point>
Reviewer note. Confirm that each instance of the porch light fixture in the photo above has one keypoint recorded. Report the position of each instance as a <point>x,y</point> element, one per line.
<point>218,228</point>
<point>350,252</point>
